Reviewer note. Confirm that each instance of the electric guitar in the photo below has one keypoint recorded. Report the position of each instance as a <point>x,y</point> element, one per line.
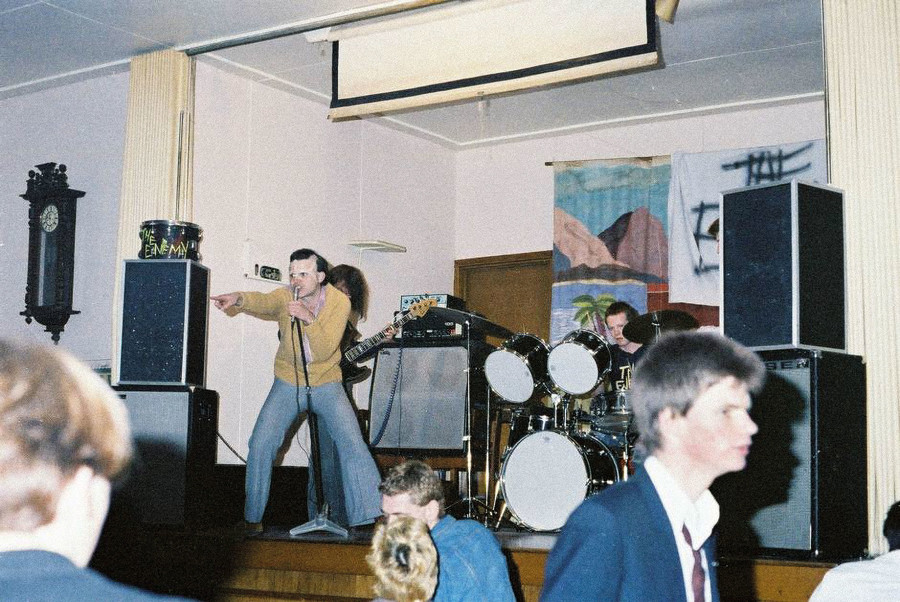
<point>363,348</point>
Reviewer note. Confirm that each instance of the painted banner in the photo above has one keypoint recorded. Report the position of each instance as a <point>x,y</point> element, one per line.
<point>609,238</point>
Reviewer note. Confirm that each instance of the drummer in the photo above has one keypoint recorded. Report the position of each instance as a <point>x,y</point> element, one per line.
<point>626,353</point>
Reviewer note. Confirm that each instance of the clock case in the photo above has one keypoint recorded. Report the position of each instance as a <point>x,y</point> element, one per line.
<point>51,255</point>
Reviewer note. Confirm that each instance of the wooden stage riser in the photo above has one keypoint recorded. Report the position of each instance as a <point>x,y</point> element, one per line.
<point>279,570</point>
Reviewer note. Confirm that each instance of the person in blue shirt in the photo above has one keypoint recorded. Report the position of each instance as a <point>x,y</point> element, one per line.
<point>471,565</point>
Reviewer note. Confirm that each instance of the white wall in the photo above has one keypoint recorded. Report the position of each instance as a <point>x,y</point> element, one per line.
<point>272,174</point>
<point>82,126</point>
<point>504,193</point>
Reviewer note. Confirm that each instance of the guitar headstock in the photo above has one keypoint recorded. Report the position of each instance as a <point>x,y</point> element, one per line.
<point>420,308</point>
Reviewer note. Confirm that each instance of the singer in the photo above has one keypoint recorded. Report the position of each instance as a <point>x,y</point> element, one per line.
<point>322,311</point>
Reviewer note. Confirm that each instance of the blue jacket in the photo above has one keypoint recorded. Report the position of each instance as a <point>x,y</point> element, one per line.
<point>619,545</point>
<point>39,576</point>
<point>471,565</point>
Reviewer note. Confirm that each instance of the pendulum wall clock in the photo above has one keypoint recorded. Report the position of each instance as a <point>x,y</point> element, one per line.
<point>51,247</point>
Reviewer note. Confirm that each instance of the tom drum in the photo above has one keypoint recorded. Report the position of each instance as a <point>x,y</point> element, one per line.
<point>579,362</point>
<point>518,368</point>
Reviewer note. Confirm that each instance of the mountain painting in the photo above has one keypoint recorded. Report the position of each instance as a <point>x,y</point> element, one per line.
<point>609,238</point>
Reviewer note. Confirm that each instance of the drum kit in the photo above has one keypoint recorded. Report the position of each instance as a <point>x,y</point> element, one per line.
<point>558,455</point>
<point>549,465</point>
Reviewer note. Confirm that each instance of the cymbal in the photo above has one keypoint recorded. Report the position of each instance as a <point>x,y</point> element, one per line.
<point>475,322</point>
<point>645,329</point>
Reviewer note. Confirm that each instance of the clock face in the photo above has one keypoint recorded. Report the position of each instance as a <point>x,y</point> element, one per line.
<point>49,218</point>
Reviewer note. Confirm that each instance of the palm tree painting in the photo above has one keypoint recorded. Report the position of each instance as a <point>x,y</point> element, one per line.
<point>591,310</point>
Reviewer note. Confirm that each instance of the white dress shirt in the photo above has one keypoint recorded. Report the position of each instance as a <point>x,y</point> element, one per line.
<point>699,517</point>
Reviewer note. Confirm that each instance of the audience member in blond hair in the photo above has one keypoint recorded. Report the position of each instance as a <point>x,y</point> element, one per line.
<point>64,438</point>
<point>404,560</point>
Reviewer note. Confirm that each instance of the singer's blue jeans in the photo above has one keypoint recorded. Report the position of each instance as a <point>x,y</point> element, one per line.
<point>359,474</point>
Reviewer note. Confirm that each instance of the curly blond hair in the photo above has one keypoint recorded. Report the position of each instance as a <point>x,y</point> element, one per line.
<point>404,560</point>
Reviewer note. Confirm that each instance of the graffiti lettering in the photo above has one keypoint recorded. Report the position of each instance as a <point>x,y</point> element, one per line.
<point>770,166</point>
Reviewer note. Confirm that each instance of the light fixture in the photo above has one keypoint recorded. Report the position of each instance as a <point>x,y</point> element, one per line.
<point>377,245</point>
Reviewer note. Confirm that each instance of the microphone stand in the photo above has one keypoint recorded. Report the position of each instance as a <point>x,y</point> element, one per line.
<point>321,521</point>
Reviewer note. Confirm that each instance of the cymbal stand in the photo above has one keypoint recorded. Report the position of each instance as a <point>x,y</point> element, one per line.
<point>657,326</point>
<point>470,501</point>
<point>626,456</point>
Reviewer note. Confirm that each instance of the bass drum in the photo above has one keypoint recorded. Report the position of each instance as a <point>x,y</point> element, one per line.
<point>548,474</point>
<point>518,368</point>
<point>579,362</point>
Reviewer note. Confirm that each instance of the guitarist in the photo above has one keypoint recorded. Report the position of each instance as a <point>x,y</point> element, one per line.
<point>350,281</point>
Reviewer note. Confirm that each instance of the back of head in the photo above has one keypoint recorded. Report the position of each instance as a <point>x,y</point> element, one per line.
<point>56,416</point>
<point>678,368</point>
<point>404,560</point>
<point>891,528</point>
<point>415,478</point>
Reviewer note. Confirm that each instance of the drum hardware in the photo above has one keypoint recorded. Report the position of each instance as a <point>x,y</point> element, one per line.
<point>650,326</point>
<point>478,324</point>
<point>578,363</point>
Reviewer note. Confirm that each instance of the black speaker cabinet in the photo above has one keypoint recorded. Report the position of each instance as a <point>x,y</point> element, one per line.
<point>782,249</point>
<point>427,410</point>
<point>164,313</point>
<point>171,481</point>
<point>803,493</point>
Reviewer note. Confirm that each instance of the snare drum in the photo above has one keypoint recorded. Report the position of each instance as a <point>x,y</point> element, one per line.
<point>579,362</point>
<point>518,368</point>
<point>524,421</point>
<point>548,474</point>
<point>611,412</point>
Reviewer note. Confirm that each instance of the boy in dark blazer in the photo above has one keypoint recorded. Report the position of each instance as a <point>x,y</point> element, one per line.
<point>650,538</point>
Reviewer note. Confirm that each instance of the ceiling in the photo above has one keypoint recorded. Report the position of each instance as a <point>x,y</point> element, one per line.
<point>717,54</point>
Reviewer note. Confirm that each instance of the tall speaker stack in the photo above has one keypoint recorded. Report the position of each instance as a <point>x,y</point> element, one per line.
<point>782,249</point>
<point>162,372</point>
<point>803,493</point>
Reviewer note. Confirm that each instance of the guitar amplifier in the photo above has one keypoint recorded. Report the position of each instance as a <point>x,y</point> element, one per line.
<point>430,327</point>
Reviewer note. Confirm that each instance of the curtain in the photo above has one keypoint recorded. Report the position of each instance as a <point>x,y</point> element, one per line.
<point>157,179</point>
<point>862,65</point>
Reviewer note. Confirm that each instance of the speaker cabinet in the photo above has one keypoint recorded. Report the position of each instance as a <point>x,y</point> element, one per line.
<point>803,493</point>
<point>164,313</point>
<point>426,409</point>
<point>171,480</point>
<point>782,249</point>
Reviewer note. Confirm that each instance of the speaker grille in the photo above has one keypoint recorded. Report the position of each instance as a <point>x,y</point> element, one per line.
<point>164,313</point>
<point>429,405</point>
<point>803,492</point>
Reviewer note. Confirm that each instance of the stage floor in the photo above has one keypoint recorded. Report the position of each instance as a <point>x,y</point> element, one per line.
<point>218,563</point>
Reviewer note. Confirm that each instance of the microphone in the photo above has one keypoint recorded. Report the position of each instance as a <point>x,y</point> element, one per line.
<point>296,294</point>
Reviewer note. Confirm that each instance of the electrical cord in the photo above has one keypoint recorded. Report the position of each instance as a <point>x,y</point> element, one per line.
<point>390,403</point>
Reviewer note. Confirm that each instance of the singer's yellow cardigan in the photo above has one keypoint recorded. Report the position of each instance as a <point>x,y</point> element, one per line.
<point>324,334</point>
